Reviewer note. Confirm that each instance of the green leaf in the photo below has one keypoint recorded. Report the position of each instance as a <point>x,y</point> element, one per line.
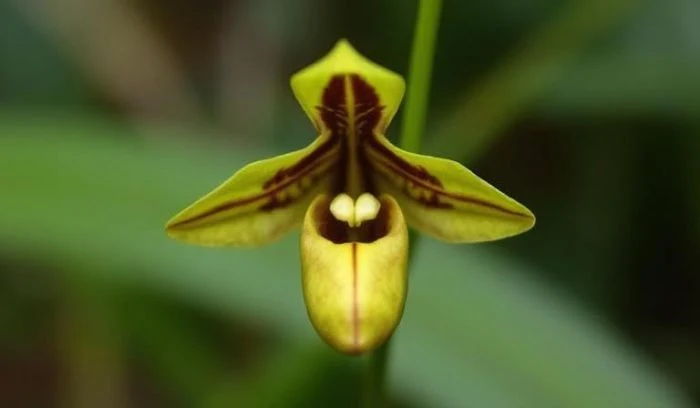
<point>660,85</point>
<point>479,330</point>
<point>493,332</point>
<point>523,76</point>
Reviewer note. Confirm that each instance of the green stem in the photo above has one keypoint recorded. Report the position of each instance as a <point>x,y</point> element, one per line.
<point>416,107</point>
<point>427,24</point>
<point>375,380</point>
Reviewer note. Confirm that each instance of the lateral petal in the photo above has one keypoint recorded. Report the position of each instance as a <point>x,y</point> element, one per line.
<point>444,199</point>
<point>260,202</point>
<point>354,291</point>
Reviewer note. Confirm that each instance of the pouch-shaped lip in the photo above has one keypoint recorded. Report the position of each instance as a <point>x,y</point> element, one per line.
<point>354,289</point>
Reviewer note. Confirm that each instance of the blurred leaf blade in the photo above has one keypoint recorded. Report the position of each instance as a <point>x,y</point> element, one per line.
<point>513,331</point>
<point>509,89</point>
<point>104,200</point>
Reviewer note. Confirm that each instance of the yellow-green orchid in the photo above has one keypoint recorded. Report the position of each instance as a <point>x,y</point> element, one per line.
<point>354,194</point>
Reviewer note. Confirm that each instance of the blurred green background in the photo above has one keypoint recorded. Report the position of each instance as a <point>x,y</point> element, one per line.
<point>116,114</point>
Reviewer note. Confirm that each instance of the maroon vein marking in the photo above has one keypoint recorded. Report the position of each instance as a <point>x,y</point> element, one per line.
<point>332,110</point>
<point>334,114</point>
<point>368,110</point>
<point>355,312</point>
<point>439,192</point>
<point>417,172</point>
<point>248,200</point>
<point>334,117</point>
<point>368,113</point>
<point>301,165</point>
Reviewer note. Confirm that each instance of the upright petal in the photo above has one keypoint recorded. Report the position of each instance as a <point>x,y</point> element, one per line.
<point>444,199</point>
<point>260,202</point>
<point>354,290</point>
<point>310,86</point>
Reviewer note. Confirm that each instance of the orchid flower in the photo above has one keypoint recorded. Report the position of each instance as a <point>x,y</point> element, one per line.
<point>354,193</point>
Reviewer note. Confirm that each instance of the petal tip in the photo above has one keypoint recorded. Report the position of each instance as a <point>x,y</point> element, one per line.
<point>343,46</point>
<point>171,225</point>
<point>173,229</point>
<point>529,219</point>
<point>175,225</point>
<point>352,348</point>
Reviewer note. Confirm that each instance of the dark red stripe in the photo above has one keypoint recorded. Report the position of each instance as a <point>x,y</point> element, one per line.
<point>333,110</point>
<point>258,197</point>
<point>301,166</point>
<point>434,202</point>
<point>417,172</point>
<point>368,110</point>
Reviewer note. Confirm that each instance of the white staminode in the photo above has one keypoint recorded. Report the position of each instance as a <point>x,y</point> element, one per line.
<point>365,208</point>
<point>343,208</point>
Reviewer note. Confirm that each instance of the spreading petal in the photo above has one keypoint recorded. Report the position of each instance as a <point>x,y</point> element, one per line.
<point>260,202</point>
<point>444,199</point>
<point>354,290</point>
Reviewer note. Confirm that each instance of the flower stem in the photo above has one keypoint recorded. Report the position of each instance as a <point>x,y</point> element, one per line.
<point>416,109</point>
<point>375,379</point>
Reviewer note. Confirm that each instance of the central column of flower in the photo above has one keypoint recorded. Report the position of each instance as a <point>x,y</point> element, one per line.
<point>350,112</point>
<point>354,183</point>
<point>348,105</point>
